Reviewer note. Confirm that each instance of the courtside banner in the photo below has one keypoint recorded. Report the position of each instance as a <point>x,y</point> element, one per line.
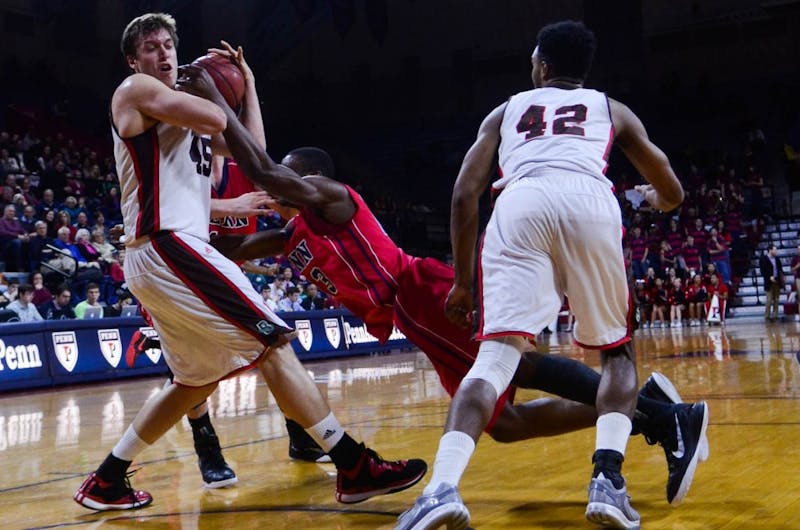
<point>23,357</point>
<point>360,341</point>
<point>91,350</point>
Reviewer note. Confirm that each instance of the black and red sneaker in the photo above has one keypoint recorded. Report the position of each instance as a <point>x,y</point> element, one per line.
<point>135,348</point>
<point>97,494</point>
<point>375,476</point>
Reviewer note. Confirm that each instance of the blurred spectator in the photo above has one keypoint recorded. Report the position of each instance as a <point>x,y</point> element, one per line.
<point>291,302</point>
<point>795,269</point>
<point>772,272</point>
<point>99,224</point>
<point>719,255</point>
<point>52,223</point>
<point>90,255</point>
<point>37,244</point>
<point>696,296</point>
<point>124,297</point>
<point>638,247</point>
<point>676,301</point>
<point>28,219</point>
<point>63,220</point>
<point>58,307</point>
<point>92,300</point>
<point>12,239</point>
<point>717,294</point>
<point>41,294</point>
<point>72,207</point>
<point>23,305</point>
<point>266,295</point>
<point>689,259</point>
<point>312,298</point>
<point>659,298</point>
<point>46,204</point>
<point>82,222</point>
<point>10,294</point>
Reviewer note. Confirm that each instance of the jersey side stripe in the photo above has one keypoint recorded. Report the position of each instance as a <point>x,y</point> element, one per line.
<point>144,152</point>
<point>369,259</point>
<point>357,270</point>
<point>372,250</point>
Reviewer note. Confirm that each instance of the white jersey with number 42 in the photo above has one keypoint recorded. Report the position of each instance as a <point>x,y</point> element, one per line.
<point>555,128</point>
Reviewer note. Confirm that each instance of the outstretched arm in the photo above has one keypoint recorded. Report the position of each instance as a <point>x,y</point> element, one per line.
<point>324,195</point>
<point>470,185</point>
<point>664,191</point>
<point>238,247</point>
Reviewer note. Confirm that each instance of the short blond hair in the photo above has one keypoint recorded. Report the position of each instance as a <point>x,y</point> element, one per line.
<point>145,25</point>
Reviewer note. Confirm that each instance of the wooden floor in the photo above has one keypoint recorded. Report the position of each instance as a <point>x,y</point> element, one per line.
<point>748,373</point>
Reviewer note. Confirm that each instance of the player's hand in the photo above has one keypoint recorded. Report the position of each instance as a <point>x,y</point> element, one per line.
<point>237,56</point>
<point>286,212</point>
<point>652,196</point>
<point>249,204</point>
<point>194,80</point>
<point>458,306</point>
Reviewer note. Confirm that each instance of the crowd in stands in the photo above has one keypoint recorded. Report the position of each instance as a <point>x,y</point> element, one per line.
<point>59,201</point>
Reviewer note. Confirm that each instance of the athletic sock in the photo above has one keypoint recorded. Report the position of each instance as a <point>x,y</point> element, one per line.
<point>455,450</point>
<point>327,432</point>
<point>129,445</point>
<point>613,430</point>
<point>346,454</point>
<point>201,428</point>
<point>567,378</point>
<point>113,469</point>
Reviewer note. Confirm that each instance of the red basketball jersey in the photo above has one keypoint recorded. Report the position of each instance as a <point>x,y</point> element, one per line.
<point>356,262</point>
<point>232,185</point>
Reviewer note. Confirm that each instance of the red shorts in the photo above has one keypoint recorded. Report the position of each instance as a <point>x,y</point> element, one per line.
<point>419,314</point>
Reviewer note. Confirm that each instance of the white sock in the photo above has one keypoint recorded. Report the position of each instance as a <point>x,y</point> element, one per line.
<point>613,431</point>
<point>327,433</point>
<point>455,450</point>
<point>129,445</point>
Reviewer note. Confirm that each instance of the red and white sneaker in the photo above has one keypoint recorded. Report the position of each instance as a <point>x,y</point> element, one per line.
<point>97,494</point>
<point>375,476</point>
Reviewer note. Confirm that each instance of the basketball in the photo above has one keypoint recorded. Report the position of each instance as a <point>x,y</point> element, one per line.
<point>226,75</point>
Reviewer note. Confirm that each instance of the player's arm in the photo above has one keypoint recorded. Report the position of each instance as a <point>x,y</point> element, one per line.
<point>470,185</point>
<point>664,191</point>
<point>251,110</point>
<point>142,100</point>
<point>241,247</point>
<point>472,180</point>
<point>326,196</point>
<point>246,205</point>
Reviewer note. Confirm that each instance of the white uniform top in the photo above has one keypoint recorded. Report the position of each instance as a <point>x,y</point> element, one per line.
<point>164,176</point>
<point>555,128</point>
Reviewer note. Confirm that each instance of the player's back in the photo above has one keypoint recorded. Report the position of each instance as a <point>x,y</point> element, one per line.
<point>554,128</point>
<point>356,262</point>
<point>164,180</point>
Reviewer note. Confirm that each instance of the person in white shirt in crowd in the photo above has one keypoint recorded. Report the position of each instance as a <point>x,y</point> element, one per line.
<point>23,305</point>
<point>291,302</point>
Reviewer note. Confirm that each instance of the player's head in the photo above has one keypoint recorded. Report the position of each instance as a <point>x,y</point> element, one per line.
<point>149,45</point>
<point>563,50</point>
<point>309,161</point>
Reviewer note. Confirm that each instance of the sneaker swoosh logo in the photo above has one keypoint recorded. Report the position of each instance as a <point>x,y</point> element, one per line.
<point>681,449</point>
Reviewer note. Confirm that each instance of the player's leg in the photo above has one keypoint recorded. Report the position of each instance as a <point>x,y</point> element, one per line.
<point>108,488</point>
<point>361,472</point>
<point>215,470</point>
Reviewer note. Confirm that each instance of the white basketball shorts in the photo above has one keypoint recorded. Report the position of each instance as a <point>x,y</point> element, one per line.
<point>211,321</point>
<point>549,235</point>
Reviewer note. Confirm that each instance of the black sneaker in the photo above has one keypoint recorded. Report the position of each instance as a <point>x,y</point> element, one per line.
<point>375,476</point>
<point>97,494</point>
<point>216,472</point>
<point>660,388</point>
<point>681,448</point>
<point>308,453</point>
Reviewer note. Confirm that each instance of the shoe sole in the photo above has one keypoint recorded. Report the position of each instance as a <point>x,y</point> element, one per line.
<point>324,459</point>
<point>686,482</point>
<point>86,502</point>
<point>454,515</point>
<point>609,516</point>
<point>353,498</point>
<point>221,483</point>
<point>669,390</point>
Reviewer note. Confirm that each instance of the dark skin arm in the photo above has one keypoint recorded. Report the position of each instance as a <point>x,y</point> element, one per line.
<point>238,247</point>
<point>664,191</point>
<point>470,185</point>
<point>327,198</point>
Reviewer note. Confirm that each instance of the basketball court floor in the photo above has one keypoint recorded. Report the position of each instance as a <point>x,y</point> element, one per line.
<point>748,373</point>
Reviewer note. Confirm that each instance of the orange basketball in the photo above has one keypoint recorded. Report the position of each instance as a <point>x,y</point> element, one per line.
<point>226,76</point>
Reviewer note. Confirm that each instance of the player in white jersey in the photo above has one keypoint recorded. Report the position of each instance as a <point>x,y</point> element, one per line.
<point>556,229</point>
<point>211,321</point>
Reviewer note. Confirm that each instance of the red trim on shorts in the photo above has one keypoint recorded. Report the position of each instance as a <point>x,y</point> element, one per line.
<point>620,342</point>
<point>611,135</point>
<point>230,374</point>
<point>479,330</point>
<point>507,397</point>
<point>531,337</point>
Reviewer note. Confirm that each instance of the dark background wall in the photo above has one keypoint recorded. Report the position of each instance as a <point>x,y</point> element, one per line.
<point>396,88</point>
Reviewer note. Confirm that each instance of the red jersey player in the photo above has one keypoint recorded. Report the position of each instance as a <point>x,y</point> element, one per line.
<point>336,242</point>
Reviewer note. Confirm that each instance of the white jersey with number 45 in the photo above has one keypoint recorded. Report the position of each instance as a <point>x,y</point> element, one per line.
<point>164,179</point>
<point>555,128</point>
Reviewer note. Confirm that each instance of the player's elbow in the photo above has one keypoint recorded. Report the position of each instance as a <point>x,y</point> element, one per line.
<point>673,197</point>
<point>215,122</point>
